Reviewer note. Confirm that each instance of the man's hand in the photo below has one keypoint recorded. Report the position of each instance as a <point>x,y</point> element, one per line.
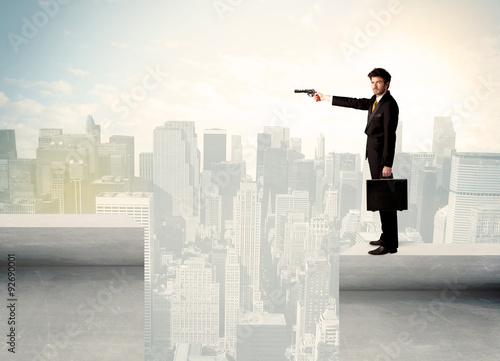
<point>319,97</point>
<point>386,172</point>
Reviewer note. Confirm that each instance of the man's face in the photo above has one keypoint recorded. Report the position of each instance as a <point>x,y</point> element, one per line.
<point>379,86</point>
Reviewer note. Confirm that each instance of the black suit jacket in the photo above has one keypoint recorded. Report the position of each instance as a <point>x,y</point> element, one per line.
<point>380,128</point>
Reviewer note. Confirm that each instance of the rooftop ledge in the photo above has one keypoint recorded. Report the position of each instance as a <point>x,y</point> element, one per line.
<point>421,266</point>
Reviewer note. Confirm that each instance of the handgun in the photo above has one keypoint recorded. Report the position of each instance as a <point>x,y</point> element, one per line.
<point>309,92</point>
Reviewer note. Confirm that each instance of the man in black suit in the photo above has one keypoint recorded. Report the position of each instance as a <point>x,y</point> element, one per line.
<point>381,127</point>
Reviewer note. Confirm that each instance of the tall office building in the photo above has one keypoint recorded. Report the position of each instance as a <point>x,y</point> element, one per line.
<point>8,148</point>
<point>4,180</point>
<point>399,136</point>
<point>246,224</point>
<point>337,162</point>
<point>226,176</point>
<point>440,226</point>
<point>408,165</point>
<point>280,136</point>
<point>138,206</point>
<point>295,239</point>
<point>263,142</point>
<point>176,176</point>
<point>331,203</point>
<point>22,178</point>
<point>231,298</point>
<point>296,202</point>
<point>443,146</point>
<point>75,155</point>
<point>218,258</point>
<point>275,173</point>
<point>236,148</point>
<point>350,185</point>
<point>319,153</point>
<point>316,293</point>
<point>302,177</point>
<point>195,304</point>
<point>350,222</point>
<point>427,203</point>
<point>93,130</point>
<point>214,147</point>
<point>261,336</point>
<point>444,135</point>
<point>146,166</point>
<point>113,160</point>
<point>327,345</point>
<point>485,224</point>
<point>474,183</point>
<point>319,227</point>
<point>128,141</point>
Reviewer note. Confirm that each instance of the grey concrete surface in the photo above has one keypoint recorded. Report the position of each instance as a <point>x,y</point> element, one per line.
<point>75,314</point>
<point>421,267</point>
<point>419,325</point>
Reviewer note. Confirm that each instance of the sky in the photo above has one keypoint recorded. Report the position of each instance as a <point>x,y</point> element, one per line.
<point>233,64</point>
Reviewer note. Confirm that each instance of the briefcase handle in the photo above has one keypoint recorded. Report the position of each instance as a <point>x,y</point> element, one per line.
<point>390,177</point>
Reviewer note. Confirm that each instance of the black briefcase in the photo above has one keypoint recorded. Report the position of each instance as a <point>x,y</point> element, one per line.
<point>386,194</point>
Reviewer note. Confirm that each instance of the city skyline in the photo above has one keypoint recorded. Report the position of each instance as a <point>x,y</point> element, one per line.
<point>182,116</point>
<point>190,62</point>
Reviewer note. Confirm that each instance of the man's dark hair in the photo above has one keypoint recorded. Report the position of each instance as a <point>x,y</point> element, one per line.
<point>384,74</point>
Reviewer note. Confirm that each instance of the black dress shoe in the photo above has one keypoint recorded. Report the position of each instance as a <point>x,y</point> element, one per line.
<point>383,250</point>
<point>376,243</point>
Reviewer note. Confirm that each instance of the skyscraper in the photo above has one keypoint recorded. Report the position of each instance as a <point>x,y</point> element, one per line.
<point>296,202</point>
<point>232,298</point>
<point>236,148</point>
<point>316,293</point>
<point>444,135</point>
<point>246,224</point>
<point>485,224</point>
<point>280,136</point>
<point>350,191</point>
<point>319,153</point>
<point>427,203</point>
<point>214,147</point>
<point>176,176</point>
<point>195,304</point>
<point>474,183</point>
<point>302,177</point>
<point>146,166</point>
<point>275,173</point>
<point>263,142</point>
<point>326,347</point>
<point>128,141</point>
<point>8,148</point>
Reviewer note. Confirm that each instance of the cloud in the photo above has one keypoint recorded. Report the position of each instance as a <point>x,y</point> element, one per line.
<point>3,99</point>
<point>78,72</point>
<point>44,87</point>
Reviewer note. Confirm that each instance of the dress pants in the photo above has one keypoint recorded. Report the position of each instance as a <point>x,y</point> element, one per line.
<point>389,219</point>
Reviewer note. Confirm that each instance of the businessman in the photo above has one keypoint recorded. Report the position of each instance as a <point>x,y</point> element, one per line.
<point>380,129</point>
